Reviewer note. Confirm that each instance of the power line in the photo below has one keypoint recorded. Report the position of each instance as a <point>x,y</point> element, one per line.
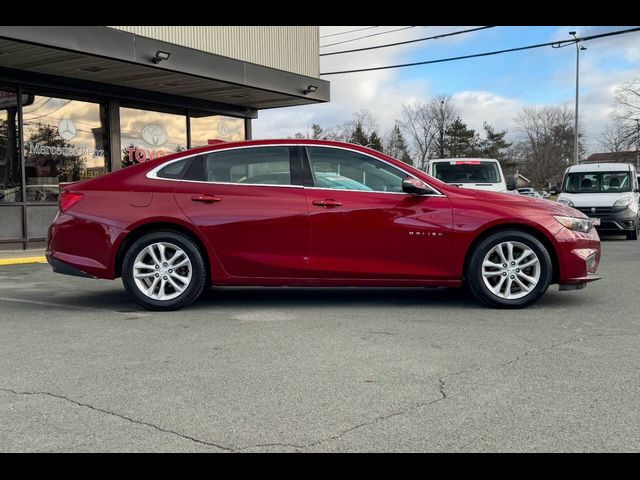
<point>348,31</point>
<point>367,36</point>
<point>486,54</point>
<point>405,42</point>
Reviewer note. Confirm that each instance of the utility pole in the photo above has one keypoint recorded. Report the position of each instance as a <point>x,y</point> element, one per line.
<point>578,48</point>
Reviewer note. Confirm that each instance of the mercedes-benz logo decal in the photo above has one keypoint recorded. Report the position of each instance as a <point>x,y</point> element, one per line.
<point>154,135</point>
<point>593,209</point>
<point>67,129</point>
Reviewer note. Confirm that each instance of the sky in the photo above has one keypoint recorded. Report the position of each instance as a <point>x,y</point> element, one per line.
<point>492,89</point>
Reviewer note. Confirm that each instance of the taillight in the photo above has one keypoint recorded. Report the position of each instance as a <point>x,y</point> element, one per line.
<point>66,200</point>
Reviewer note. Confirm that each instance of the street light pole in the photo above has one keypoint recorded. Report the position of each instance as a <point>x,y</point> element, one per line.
<point>578,48</point>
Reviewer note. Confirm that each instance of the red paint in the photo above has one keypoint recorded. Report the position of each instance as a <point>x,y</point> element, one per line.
<point>271,235</point>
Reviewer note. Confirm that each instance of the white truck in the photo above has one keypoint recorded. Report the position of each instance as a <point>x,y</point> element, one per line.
<point>605,191</point>
<point>478,173</point>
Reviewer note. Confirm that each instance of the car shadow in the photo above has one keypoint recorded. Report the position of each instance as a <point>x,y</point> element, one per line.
<point>256,297</point>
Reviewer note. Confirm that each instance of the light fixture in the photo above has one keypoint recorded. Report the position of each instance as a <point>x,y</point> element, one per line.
<point>310,89</point>
<point>160,56</point>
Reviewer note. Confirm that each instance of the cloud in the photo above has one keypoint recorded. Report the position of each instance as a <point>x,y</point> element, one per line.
<point>607,64</point>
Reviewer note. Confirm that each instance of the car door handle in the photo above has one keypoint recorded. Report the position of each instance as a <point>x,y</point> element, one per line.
<point>327,203</point>
<point>206,198</point>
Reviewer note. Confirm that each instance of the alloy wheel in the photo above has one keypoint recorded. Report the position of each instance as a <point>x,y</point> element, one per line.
<point>511,270</point>
<point>162,271</point>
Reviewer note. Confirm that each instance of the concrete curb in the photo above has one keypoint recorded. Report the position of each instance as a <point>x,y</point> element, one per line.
<point>22,260</point>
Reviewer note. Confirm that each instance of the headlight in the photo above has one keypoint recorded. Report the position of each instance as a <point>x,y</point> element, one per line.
<point>623,203</point>
<point>566,202</point>
<point>578,224</point>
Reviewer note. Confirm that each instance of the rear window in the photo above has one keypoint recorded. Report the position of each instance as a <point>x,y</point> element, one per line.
<point>174,170</point>
<point>467,171</point>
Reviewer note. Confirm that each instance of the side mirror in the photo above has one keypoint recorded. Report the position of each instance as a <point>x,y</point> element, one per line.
<point>511,182</point>
<point>415,186</point>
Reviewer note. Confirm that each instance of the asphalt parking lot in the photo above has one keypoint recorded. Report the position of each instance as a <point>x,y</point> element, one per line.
<point>82,368</point>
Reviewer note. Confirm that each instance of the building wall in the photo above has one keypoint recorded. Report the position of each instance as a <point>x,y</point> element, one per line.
<point>291,48</point>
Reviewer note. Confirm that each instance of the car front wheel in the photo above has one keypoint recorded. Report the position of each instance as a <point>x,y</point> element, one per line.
<point>509,269</point>
<point>164,270</point>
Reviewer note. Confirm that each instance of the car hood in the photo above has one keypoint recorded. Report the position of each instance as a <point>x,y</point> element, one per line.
<point>594,199</point>
<point>553,208</point>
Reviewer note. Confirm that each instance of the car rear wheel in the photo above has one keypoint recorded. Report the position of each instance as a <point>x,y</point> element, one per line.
<point>164,270</point>
<point>509,269</point>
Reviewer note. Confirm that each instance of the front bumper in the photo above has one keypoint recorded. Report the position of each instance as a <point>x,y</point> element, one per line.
<point>578,256</point>
<point>612,220</point>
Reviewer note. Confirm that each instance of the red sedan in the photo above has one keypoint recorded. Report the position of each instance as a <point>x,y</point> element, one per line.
<point>312,213</point>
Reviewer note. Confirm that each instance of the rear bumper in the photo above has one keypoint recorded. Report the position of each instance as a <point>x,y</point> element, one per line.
<point>82,247</point>
<point>66,269</point>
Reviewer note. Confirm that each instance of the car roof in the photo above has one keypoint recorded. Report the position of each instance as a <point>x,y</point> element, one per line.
<point>604,167</point>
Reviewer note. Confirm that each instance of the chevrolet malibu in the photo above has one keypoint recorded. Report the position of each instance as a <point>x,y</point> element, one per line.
<point>311,213</point>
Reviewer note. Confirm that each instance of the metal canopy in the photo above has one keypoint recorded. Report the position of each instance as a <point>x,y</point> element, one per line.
<point>122,59</point>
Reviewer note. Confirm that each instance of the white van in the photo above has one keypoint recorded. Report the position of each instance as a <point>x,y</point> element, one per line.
<point>607,191</point>
<point>478,173</point>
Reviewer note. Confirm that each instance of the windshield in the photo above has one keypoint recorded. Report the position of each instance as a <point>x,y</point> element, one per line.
<point>467,171</point>
<point>597,182</point>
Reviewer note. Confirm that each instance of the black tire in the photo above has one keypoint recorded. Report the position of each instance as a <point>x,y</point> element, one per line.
<point>198,267</point>
<point>474,270</point>
<point>636,232</point>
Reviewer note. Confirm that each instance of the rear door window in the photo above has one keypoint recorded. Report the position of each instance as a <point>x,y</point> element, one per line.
<point>245,166</point>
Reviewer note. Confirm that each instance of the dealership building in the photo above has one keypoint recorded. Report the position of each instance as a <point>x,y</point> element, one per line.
<point>78,102</point>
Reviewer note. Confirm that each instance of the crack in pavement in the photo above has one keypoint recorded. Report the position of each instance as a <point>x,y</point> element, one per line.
<point>441,390</point>
<point>118,415</point>
<point>571,340</point>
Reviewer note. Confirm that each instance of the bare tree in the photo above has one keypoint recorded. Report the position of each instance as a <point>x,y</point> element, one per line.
<point>425,126</point>
<point>546,142</point>
<point>617,136</point>
<point>628,101</point>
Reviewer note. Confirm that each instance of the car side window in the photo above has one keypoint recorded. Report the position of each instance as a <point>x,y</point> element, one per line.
<point>254,166</point>
<point>348,170</point>
<point>174,170</point>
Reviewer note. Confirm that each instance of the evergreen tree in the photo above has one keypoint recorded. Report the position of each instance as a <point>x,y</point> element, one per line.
<point>460,141</point>
<point>397,147</point>
<point>495,146</point>
<point>358,136</point>
<point>375,142</point>
<point>317,132</point>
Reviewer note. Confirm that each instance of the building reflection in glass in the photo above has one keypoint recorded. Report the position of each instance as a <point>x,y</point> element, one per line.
<point>64,141</point>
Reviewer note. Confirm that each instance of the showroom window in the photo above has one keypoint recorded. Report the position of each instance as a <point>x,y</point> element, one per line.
<point>146,135</point>
<point>10,174</point>
<point>206,129</point>
<point>64,141</point>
